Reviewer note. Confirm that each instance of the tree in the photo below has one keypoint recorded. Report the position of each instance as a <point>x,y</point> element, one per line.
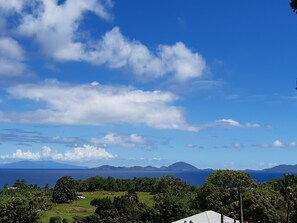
<point>170,208</point>
<point>287,186</point>
<point>65,190</point>
<point>293,5</point>
<point>23,207</point>
<point>262,204</point>
<point>221,191</point>
<point>21,184</point>
<point>172,200</point>
<point>122,209</point>
<point>171,184</point>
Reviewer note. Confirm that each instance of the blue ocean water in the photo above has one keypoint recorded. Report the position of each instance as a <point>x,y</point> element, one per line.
<point>41,177</point>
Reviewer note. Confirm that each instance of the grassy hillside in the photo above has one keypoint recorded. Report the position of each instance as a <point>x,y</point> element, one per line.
<point>82,207</point>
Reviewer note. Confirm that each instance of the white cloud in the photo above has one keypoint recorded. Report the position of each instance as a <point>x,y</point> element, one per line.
<point>78,154</point>
<point>85,153</point>
<point>182,61</point>
<point>57,29</point>
<point>96,105</point>
<point>132,140</point>
<point>23,155</point>
<point>227,123</point>
<point>11,5</point>
<point>117,51</point>
<point>11,58</point>
<point>55,26</point>
<point>278,144</point>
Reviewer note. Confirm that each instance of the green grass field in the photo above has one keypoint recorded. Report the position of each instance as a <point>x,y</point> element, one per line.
<point>82,207</point>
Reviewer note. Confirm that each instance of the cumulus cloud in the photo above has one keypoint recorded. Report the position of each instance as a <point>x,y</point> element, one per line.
<point>78,154</point>
<point>127,141</point>
<point>277,144</point>
<point>85,153</point>
<point>57,29</point>
<point>55,26</point>
<point>117,51</point>
<point>11,58</point>
<point>96,105</point>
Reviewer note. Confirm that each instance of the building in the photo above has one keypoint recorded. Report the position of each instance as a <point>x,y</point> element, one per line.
<point>206,217</point>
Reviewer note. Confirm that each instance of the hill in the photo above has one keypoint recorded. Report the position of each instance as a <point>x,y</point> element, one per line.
<point>181,166</point>
<point>282,169</point>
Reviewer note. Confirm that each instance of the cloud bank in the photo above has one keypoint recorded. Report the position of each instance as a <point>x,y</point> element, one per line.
<point>95,104</point>
<point>78,154</point>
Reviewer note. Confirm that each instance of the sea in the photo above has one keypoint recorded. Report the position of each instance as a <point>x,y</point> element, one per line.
<point>41,177</point>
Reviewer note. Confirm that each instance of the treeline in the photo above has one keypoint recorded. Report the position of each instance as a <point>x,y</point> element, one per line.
<point>271,202</point>
<point>111,184</point>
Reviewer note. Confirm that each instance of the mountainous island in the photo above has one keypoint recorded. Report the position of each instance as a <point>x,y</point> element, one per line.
<point>175,167</point>
<point>179,166</point>
<point>39,165</point>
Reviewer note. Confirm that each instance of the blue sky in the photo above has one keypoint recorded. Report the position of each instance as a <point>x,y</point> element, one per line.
<point>148,82</point>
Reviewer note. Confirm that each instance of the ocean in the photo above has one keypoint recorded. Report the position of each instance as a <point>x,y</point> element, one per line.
<point>41,177</point>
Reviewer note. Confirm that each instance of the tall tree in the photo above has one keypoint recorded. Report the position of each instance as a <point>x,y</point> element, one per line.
<point>65,190</point>
<point>221,191</point>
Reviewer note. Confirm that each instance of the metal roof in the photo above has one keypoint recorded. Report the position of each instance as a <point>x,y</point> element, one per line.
<point>206,217</point>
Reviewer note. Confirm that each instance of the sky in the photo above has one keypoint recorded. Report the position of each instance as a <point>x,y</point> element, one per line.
<point>125,83</point>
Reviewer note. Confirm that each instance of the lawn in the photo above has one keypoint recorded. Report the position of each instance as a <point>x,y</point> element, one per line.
<point>82,207</point>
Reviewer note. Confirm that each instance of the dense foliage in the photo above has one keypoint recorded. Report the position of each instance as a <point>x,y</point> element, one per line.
<point>111,184</point>
<point>221,192</point>
<point>23,205</point>
<point>271,202</point>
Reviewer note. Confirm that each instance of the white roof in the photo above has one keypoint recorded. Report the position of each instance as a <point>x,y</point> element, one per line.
<point>206,217</point>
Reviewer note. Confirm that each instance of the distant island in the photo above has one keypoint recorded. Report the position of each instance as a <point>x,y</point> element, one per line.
<point>282,169</point>
<point>175,167</point>
<point>179,166</point>
<point>39,165</point>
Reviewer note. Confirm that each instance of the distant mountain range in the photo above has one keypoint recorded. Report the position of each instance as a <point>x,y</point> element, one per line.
<point>38,165</point>
<point>282,169</point>
<point>176,167</point>
<point>179,166</point>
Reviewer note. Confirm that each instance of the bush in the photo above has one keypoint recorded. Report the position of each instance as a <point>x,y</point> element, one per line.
<point>55,219</point>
